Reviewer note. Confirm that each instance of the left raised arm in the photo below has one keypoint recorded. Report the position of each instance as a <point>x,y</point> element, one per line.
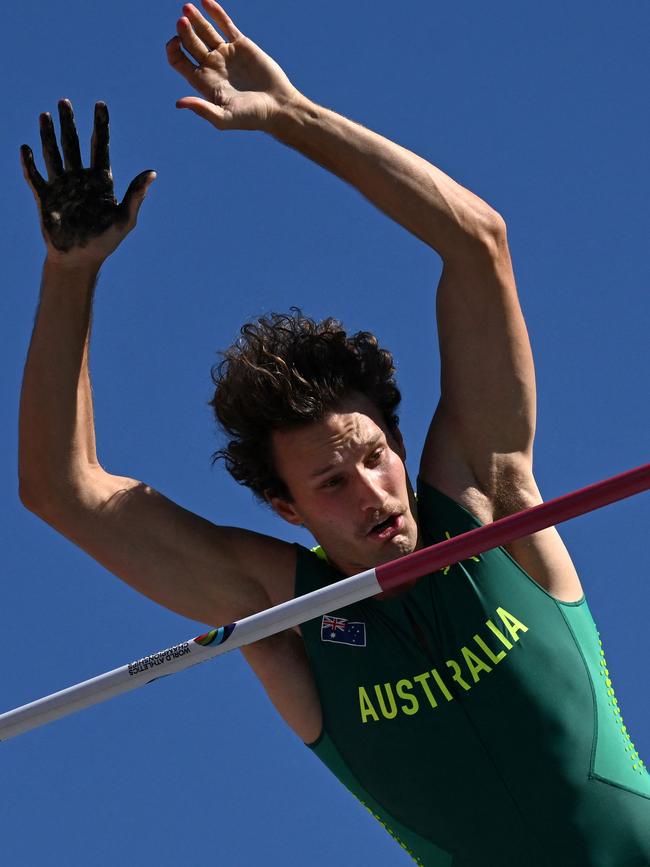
<point>479,445</point>
<point>487,407</point>
<point>243,88</point>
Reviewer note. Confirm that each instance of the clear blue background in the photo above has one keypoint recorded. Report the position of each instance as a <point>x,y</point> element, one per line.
<point>541,110</point>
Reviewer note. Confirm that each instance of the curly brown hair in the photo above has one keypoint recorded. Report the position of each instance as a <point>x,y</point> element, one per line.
<point>285,371</point>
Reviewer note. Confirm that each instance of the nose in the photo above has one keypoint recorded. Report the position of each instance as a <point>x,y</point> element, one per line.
<point>371,495</point>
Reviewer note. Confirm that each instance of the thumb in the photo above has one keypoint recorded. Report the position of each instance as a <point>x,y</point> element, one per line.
<point>207,110</point>
<point>134,196</point>
<point>35,180</point>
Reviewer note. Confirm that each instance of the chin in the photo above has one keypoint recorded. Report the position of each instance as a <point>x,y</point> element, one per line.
<point>399,548</point>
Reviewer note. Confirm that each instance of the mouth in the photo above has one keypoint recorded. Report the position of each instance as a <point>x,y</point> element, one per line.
<point>386,529</point>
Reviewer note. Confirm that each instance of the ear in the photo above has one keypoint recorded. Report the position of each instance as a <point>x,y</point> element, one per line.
<point>285,510</point>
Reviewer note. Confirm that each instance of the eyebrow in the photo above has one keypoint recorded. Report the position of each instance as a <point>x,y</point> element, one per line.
<point>371,445</point>
<point>322,471</point>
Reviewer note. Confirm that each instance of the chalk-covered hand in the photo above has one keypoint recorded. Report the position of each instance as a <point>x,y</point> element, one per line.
<point>242,87</point>
<point>81,219</point>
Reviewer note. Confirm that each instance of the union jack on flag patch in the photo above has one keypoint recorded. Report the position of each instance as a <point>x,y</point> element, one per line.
<point>338,630</point>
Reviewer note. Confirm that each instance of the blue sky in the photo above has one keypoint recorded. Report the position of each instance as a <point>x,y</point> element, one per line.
<point>541,110</point>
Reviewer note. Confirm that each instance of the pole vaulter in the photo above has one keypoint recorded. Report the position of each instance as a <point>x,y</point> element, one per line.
<point>387,577</point>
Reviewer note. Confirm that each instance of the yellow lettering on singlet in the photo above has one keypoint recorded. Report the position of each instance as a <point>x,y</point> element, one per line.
<point>456,675</point>
<point>365,705</point>
<point>422,680</point>
<point>402,695</point>
<point>474,663</point>
<point>441,684</point>
<point>400,686</point>
<point>392,713</point>
<point>487,651</point>
<point>511,623</point>
<point>498,634</point>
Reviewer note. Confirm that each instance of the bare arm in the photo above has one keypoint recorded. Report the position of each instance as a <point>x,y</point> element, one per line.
<point>482,433</point>
<point>487,411</point>
<point>169,554</point>
<point>244,88</point>
<point>82,223</point>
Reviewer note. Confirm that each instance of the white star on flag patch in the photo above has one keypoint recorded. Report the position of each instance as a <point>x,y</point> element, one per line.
<point>338,630</point>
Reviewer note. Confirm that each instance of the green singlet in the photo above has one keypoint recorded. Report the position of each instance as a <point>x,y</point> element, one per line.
<point>475,717</point>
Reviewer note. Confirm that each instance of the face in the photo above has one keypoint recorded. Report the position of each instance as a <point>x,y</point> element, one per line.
<point>349,486</point>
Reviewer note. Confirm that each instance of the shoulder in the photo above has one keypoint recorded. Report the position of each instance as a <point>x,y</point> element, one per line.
<point>543,556</point>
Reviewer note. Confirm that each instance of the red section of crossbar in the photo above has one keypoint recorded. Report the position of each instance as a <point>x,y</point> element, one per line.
<point>392,575</point>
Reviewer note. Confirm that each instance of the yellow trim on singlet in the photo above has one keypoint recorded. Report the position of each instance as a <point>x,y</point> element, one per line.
<point>318,551</point>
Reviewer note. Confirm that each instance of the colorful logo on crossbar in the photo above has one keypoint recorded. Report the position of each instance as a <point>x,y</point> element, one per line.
<point>215,636</point>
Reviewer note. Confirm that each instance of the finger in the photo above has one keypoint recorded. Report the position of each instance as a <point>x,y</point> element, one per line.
<point>203,28</point>
<point>212,113</point>
<point>134,196</point>
<point>32,175</point>
<point>194,46</point>
<point>222,18</point>
<point>99,158</point>
<point>180,61</point>
<point>69,137</point>
<point>51,155</point>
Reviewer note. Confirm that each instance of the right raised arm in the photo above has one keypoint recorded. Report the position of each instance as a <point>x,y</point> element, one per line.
<point>211,574</point>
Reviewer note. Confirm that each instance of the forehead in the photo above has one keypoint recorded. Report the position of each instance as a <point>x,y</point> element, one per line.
<point>355,423</point>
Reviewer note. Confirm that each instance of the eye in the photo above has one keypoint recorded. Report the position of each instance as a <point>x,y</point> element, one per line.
<point>333,482</point>
<point>376,456</point>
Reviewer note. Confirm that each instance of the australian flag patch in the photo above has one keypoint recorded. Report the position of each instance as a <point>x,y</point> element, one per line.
<point>338,630</point>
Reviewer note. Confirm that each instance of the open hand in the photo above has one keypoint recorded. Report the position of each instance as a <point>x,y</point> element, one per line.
<point>243,87</point>
<point>81,219</point>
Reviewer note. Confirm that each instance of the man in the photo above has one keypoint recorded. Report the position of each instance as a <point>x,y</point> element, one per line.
<point>472,714</point>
